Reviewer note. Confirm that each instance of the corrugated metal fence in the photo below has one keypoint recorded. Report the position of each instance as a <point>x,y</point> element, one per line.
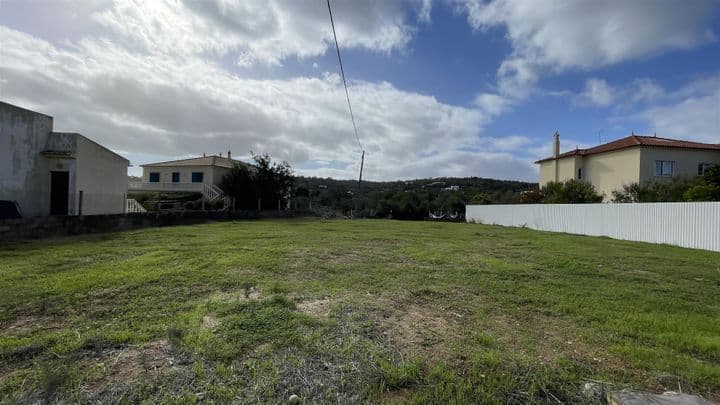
<point>693,225</point>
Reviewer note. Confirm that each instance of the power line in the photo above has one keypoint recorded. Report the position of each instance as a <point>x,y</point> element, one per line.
<point>342,73</point>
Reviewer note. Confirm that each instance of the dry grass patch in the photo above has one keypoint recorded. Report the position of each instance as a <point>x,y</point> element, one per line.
<point>235,295</point>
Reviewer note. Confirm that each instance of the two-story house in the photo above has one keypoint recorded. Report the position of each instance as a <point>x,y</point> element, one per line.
<point>633,159</point>
<point>201,174</point>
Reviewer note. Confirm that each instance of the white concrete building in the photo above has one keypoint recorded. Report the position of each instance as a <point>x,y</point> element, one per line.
<point>200,174</point>
<point>57,173</point>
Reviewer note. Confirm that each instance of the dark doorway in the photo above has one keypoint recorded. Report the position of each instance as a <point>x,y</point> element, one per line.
<point>59,185</point>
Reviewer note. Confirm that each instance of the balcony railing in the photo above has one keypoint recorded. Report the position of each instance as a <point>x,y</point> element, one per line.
<point>189,187</point>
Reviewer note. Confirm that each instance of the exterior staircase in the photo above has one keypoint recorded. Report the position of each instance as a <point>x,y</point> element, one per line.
<point>212,192</point>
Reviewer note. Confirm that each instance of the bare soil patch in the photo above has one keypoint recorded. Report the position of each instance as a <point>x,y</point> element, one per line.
<point>419,327</point>
<point>210,322</point>
<point>317,308</point>
<point>132,363</point>
<point>25,324</point>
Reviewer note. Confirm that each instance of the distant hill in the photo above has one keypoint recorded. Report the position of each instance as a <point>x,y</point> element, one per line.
<point>478,184</point>
<point>407,198</point>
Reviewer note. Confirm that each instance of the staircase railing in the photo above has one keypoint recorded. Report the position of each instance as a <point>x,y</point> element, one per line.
<point>212,192</point>
<point>132,206</point>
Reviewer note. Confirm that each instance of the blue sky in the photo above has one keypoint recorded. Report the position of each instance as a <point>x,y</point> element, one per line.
<point>439,87</point>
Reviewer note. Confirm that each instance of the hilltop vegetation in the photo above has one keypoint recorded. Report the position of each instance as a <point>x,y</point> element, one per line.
<point>410,199</point>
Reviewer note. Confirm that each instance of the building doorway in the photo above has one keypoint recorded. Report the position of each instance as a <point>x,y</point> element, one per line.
<point>59,186</point>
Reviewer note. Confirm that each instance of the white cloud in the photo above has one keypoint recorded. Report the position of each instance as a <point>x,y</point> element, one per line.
<point>554,36</point>
<point>493,104</point>
<point>160,103</point>
<point>267,31</point>
<point>691,112</point>
<point>597,92</point>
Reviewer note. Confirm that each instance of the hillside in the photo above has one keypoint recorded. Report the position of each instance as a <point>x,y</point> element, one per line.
<point>408,198</point>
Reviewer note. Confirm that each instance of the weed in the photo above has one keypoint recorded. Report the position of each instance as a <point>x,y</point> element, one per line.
<point>52,377</point>
<point>174,336</point>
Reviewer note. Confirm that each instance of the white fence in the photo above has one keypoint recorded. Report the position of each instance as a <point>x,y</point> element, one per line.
<point>692,225</point>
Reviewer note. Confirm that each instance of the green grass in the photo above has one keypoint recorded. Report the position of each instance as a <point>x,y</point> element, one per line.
<point>353,311</point>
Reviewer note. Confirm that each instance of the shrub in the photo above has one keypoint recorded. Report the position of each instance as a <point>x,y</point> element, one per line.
<point>570,192</point>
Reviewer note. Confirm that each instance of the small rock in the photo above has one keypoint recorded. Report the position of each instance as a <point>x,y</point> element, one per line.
<point>294,399</point>
<point>592,390</point>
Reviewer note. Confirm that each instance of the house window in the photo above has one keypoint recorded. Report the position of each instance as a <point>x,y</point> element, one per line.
<point>580,173</point>
<point>154,177</point>
<point>176,177</point>
<point>197,177</point>
<point>664,168</point>
<point>702,167</point>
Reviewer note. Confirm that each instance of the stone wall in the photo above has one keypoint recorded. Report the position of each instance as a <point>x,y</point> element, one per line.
<point>37,228</point>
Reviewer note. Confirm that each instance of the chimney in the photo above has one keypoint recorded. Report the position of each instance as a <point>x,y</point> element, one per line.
<point>556,144</point>
<point>229,155</point>
<point>203,154</point>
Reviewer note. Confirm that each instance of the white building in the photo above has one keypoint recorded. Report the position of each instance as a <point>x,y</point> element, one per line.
<point>56,173</point>
<point>200,174</point>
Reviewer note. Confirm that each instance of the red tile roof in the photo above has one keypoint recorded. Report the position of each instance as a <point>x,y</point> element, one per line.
<point>211,160</point>
<point>636,140</point>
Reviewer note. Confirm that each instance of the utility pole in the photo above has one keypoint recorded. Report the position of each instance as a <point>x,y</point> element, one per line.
<point>359,194</point>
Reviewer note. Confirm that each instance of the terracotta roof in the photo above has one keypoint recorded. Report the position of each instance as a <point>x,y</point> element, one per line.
<point>212,160</point>
<point>633,141</point>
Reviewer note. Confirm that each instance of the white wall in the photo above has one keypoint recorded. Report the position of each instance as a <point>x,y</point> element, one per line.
<point>24,174</point>
<point>102,177</point>
<point>692,225</point>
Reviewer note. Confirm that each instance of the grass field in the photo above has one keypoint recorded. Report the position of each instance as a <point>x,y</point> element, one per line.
<point>353,311</point>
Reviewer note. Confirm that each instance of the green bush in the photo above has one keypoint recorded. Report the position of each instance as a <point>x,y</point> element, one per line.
<point>570,192</point>
<point>700,188</point>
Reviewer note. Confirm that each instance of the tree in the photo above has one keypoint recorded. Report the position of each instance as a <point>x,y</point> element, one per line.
<point>273,181</point>
<point>265,181</point>
<point>239,184</point>
<point>570,192</point>
<point>708,189</point>
<point>480,198</point>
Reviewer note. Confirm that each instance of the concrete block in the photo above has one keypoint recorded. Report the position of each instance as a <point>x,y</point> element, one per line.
<point>645,398</point>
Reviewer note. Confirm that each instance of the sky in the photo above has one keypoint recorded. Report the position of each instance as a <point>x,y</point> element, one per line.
<point>438,87</point>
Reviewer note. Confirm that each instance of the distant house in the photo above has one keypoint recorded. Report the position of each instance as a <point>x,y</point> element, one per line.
<point>201,174</point>
<point>633,159</point>
<point>56,173</point>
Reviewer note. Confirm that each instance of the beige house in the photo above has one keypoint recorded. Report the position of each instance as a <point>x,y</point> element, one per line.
<point>200,174</point>
<point>633,159</point>
<point>56,173</point>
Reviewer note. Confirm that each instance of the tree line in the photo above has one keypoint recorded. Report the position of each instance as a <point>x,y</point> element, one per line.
<point>270,185</point>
